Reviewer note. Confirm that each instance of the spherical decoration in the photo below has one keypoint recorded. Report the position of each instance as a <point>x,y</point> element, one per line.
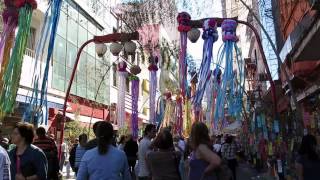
<point>168,95</point>
<point>194,35</point>
<point>122,66</point>
<point>11,13</point>
<point>135,69</point>
<point>229,27</point>
<point>101,49</point>
<point>210,29</point>
<point>130,47</point>
<point>184,22</point>
<point>115,48</point>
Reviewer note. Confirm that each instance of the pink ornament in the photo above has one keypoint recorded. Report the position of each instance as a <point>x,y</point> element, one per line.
<point>122,66</point>
<point>184,22</point>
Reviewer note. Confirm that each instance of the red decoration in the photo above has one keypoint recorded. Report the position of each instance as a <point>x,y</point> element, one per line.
<point>184,22</point>
<point>153,67</point>
<point>21,3</point>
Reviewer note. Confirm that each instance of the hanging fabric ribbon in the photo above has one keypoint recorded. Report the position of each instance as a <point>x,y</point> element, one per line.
<point>169,110</point>
<point>121,113</point>
<point>12,73</point>
<point>187,119</point>
<point>231,91</point>
<point>153,68</point>
<point>135,98</point>
<point>184,26</point>
<point>35,113</point>
<point>10,17</point>
<point>210,35</point>
<point>179,115</point>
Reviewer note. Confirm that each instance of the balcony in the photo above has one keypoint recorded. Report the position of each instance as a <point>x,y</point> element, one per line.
<point>29,52</point>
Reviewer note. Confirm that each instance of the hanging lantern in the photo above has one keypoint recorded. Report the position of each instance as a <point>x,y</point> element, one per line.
<point>115,48</point>
<point>193,35</point>
<point>130,47</point>
<point>101,49</point>
<point>135,69</point>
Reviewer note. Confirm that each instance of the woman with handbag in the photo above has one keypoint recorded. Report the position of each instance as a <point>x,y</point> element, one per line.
<point>164,160</point>
<point>28,162</point>
<point>203,161</point>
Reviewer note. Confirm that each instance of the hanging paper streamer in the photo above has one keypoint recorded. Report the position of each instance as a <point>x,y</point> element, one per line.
<point>34,112</point>
<point>169,111</point>
<point>187,119</point>
<point>135,99</point>
<point>232,83</point>
<point>12,73</point>
<point>184,26</point>
<point>121,113</point>
<point>210,35</point>
<point>10,17</point>
<point>153,68</point>
<point>179,115</point>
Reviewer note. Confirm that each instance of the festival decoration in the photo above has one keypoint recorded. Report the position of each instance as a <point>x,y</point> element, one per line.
<point>10,21</point>
<point>187,121</point>
<point>135,70</point>
<point>34,112</point>
<point>130,47</point>
<point>101,49</point>
<point>135,99</point>
<point>210,35</point>
<point>232,83</point>
<point>179,114</point>
<point>121,113</point>
<point>184,26</point>
<point>193,35</point>
<point>153,68</point>
<point>12,72</point>
<point>169,111</point>
<point>115,48</point>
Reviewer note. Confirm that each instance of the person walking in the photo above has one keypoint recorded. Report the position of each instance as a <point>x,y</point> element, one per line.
<point>93,142</point>
<point>104,161</point>
<point>229,150</point>
<point>217,145</point>
<point>27,160</point>
<point>4,165</point>
<point>144,147</point>
<point>122,142</point>
<point>164,162</point>
<point>131,150</point>
<point>64,150</point>
<point>308,161</point>
<point>49,147</point>
<point>80,151</point>
<point>203,160</point>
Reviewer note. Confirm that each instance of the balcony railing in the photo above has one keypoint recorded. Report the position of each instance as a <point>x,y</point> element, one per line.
<point>30,53</point>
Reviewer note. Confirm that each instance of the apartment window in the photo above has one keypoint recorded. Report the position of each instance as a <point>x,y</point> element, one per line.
<point>74,28</point>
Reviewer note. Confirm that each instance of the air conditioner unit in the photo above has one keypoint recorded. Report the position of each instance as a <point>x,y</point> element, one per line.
<point>315,4</point>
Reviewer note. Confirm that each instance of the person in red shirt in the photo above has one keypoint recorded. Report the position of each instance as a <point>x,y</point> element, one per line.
<point>49,147</point>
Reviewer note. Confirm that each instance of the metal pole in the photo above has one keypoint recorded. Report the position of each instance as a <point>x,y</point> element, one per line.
<point>68,92</point>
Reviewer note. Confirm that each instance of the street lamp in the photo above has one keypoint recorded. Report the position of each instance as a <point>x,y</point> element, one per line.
<point>101,48</point>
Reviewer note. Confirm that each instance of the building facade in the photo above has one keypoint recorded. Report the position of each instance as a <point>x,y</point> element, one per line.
<point>79,22</point>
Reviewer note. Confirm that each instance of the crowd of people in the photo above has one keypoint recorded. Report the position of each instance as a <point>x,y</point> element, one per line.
<point>158,155</point>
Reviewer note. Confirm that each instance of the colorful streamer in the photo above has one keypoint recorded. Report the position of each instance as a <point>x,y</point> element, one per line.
<point>179,115</point>
<point>231,91</point>
<point>153,68</point>
<point>210,35</point>
<point>121,113</point>
<point>135,99</point>
<point>187,119</point>
<point>184,26</point>
<point>48,31</point>
<point>12,73</point>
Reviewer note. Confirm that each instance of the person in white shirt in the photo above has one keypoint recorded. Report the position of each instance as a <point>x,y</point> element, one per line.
<point>4,165</point>
<point>144,148</point>
<point>217,145</point>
